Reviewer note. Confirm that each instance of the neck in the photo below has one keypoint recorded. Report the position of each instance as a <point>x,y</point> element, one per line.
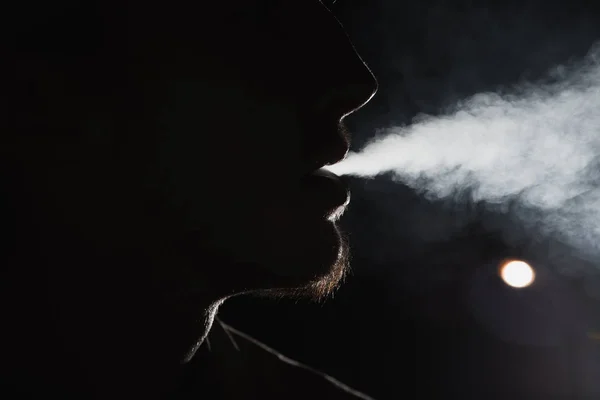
<point>115,344</point>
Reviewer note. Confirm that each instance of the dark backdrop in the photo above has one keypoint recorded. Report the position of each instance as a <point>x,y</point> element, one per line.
<point>424,314</point>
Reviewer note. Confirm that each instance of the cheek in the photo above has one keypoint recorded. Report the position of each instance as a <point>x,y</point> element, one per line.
<point>223,162</point>
<point>295,243</point>
<point>236,128</point>
<point>247,151</point>
<point>283,239</point>
<point>264,137</point>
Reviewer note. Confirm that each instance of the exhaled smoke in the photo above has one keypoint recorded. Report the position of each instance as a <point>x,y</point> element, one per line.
<point>538,145</point>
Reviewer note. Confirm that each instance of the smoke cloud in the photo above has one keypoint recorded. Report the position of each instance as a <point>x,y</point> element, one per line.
<point>534,145</point>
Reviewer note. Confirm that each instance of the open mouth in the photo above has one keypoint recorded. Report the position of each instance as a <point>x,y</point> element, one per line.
<point>325,193</point>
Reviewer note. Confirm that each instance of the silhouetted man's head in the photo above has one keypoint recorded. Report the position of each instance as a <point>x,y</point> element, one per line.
<point>160,148</point>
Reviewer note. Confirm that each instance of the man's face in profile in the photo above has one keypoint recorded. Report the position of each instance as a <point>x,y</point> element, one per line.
<point>209,141</point>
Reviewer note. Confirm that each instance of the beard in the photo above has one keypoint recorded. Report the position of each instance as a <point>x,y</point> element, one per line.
<point>319,288</point>
<point>214,268</point>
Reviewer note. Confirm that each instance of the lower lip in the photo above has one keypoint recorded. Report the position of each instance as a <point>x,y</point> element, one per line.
<point>325,193</point>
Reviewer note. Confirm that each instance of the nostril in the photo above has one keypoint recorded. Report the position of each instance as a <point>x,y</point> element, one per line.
<point>342,101</point>
<point>361,94</point>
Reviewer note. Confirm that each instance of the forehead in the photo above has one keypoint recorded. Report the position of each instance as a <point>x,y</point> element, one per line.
<point>39,21</point>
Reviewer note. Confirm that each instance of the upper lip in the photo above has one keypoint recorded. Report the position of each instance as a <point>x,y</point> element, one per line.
<point>328,144</point>
<point>317,165</point>
<point>326,115</point>
<point>334,194</point>
<point>332,149</point>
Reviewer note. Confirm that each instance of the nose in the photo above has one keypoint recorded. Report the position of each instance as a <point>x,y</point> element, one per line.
<point>339,84</point>
<point>330,145</point>
<point>351,85</point>
<point>342,101</point>
<point>363,94</point>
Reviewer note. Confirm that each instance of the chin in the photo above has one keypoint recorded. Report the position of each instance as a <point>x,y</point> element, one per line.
<point>308,261</point>
<point>317,274</point>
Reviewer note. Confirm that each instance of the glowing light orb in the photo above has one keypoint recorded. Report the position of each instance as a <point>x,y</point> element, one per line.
<point>517,274</point>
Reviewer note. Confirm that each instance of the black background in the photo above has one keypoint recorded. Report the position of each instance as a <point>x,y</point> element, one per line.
<point>424,313</point>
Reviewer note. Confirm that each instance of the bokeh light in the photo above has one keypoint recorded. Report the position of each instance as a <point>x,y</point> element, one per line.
<point>517,274</point>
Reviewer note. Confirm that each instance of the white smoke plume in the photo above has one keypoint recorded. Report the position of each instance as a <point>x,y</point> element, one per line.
<point>537,144</point>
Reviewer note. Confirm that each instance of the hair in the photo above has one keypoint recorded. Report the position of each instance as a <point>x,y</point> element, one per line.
<point>321,288</point>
